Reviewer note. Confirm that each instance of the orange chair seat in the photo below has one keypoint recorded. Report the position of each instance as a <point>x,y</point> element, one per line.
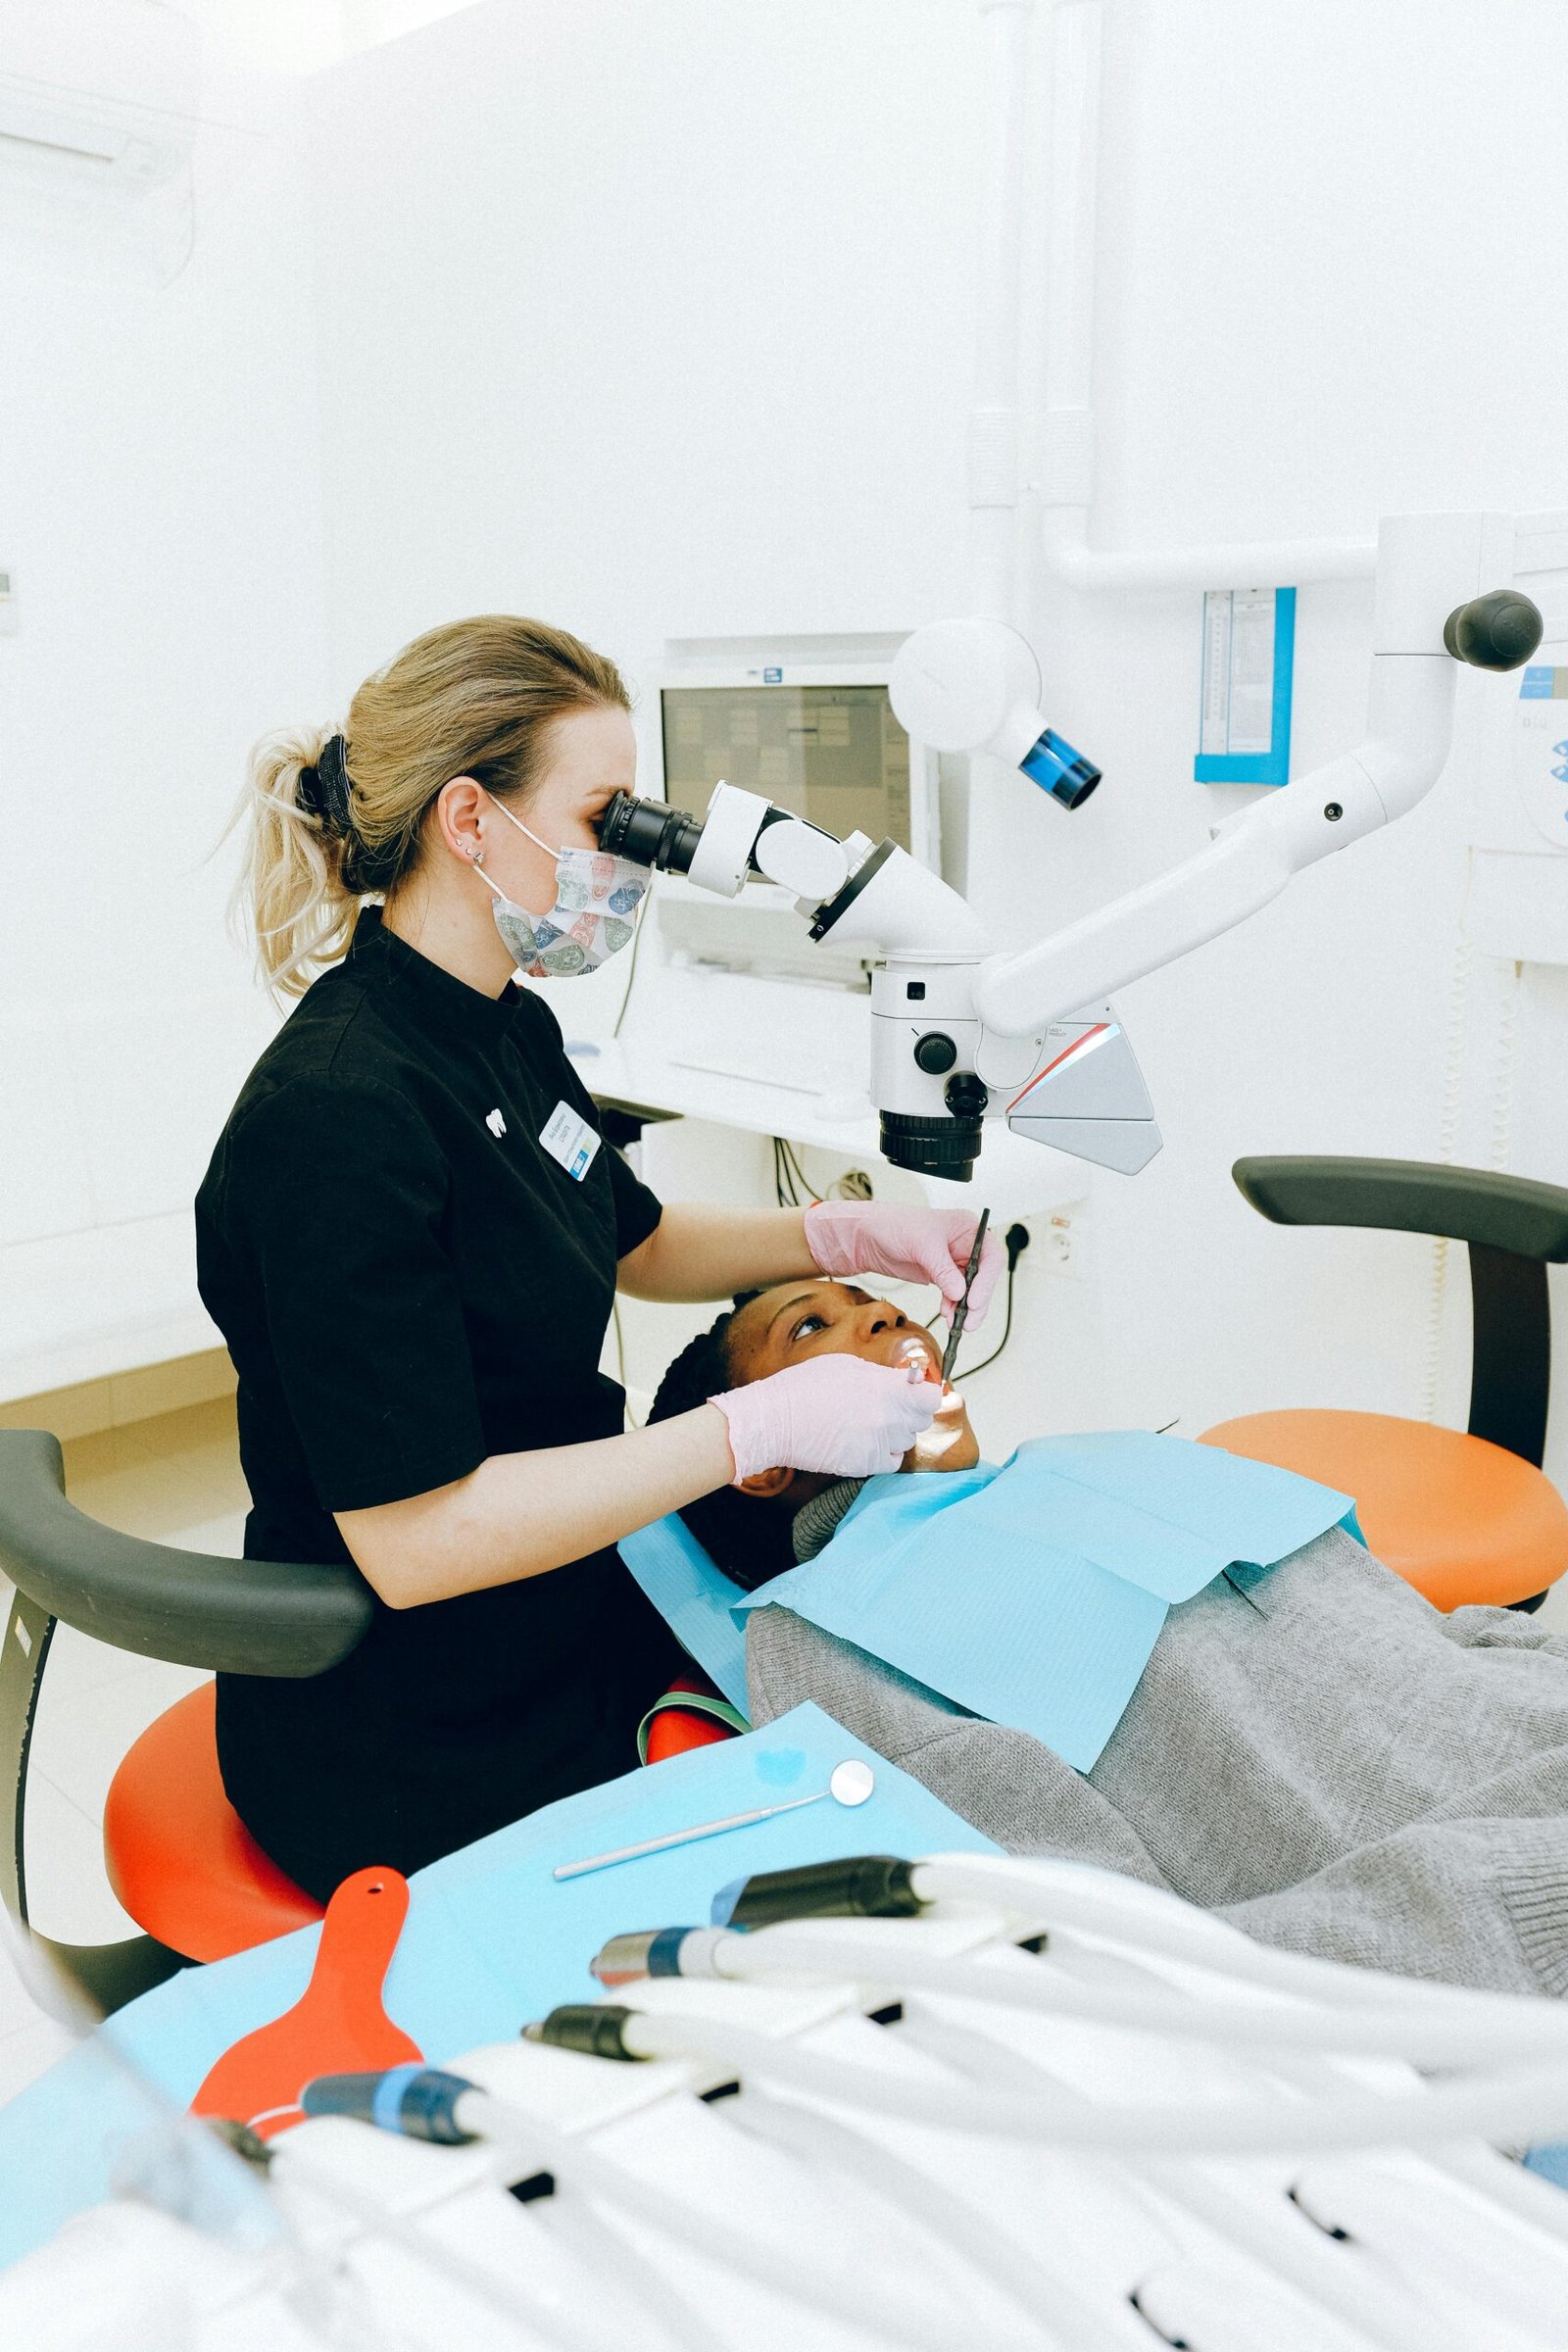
<point>179,1856</point>
<point>676,1731</point>
<point>1460,1519</point>
<point>672,1729</point>
<point>184,1863</point>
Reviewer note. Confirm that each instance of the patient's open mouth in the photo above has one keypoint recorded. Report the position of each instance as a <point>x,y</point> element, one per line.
<point>915,1352</point>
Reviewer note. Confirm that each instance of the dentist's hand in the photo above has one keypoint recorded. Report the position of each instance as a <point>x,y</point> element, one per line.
<point>837,1415</point>
<point>913,1245</point>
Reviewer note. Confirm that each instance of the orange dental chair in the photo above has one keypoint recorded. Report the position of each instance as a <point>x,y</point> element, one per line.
<point>1462,1515</point>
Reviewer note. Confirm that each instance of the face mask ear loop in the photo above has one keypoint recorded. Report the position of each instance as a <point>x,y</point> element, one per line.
<point>477,868</point>
<point>522,828</point>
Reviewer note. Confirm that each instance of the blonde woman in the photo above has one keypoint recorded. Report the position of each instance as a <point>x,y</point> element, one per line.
<point>411,1234</point>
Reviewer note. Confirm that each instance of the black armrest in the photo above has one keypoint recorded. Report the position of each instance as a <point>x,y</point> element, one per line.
<point>1411,1196</point>
<point>1514,1226</point>
<point>235,1616</point>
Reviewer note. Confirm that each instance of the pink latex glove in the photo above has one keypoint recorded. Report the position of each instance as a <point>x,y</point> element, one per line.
<point>913,1245</point>
<point>835,1413</point>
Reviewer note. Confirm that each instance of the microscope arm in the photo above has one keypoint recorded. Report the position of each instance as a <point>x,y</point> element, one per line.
<point>1249,862</point>
<point>1432,613</point>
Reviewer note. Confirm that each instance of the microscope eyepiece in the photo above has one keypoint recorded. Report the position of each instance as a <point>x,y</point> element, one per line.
<point>650,833</point>
<point>1059,769</point>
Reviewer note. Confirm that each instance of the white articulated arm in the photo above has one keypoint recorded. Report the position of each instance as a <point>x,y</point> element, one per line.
<point>1248,864</point>
<point>1428,564</point>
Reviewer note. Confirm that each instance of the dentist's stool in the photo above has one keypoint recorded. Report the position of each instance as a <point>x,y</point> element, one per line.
<point>178,1854</point>
<point>1463,1516</point>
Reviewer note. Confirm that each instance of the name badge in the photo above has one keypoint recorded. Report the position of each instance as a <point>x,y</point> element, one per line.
<point>570,1140</point>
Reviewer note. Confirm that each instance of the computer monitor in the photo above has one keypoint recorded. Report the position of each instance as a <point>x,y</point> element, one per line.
<point>833,753</point>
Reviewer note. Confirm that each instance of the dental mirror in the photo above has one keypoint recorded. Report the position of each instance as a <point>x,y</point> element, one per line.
<point>848,1783</point>
<point>852,1782</point>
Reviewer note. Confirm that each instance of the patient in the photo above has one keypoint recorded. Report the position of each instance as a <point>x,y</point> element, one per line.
<point>762,1333</point>
<point>1313,1752</point>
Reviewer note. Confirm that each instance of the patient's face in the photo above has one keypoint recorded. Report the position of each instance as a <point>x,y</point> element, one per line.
<point>794,1321</point>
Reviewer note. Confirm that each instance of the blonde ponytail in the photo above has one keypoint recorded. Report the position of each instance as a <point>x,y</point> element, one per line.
<point>475,697</point>
<point>291,889</point>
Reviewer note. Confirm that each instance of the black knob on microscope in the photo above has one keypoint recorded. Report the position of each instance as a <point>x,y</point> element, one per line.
<point>935,1053</point>
<point>1499,631</point>
<point>966,1095</point>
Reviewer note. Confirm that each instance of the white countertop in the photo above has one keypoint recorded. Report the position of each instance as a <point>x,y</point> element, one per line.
<point>79,1306</point>
<point>1017,1177</point>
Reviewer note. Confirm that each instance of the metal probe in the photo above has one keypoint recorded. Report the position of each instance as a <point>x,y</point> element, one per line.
<point>849,1784</point>
<point>960,1313</point>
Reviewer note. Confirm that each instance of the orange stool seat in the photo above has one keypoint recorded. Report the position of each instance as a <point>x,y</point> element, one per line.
<point>670,1729</point>
<point>1460,1519</point>
<point>676,1731</point>
<point>179,1856</point>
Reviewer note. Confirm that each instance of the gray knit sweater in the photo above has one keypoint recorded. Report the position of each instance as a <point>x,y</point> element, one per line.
<point>1313,1752</point>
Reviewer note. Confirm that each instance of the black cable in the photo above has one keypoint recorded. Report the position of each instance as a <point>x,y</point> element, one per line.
<point>1015,1242</point>
<point>1007,1334</point>
<point>798,1176</point>
<point>790,1179</point>
<point>784,1175</point>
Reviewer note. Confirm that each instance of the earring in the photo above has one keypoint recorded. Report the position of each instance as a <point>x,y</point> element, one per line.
<point>476,856</point>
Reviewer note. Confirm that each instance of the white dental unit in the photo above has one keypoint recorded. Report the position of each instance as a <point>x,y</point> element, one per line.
<point>959,2102</point>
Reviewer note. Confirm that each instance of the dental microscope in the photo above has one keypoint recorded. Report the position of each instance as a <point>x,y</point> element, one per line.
<point>963,1034</point>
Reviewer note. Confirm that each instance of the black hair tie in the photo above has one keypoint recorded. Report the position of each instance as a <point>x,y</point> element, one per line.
<point>323,790</point>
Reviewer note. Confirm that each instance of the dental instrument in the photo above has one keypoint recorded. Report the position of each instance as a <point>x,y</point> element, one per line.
<point>1244,2209</point>
<point>991,2220</point>
<point>432,2104</point>
<point>849,1784</point>
<point>1105,1909</point>
<point>1024,2273</point>
<point>1529,2103</point>
<point>291,2167</point>
<point>1011,1980</point>
<point>960,1313</point>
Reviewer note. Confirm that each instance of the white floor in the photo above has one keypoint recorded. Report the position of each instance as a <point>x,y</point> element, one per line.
<point>176,1479</point>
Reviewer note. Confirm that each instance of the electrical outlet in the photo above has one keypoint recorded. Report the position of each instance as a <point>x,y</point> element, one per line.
<point>1064,1239</point>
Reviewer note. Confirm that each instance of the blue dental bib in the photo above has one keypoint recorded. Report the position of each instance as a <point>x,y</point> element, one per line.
<point>1031,1593</point>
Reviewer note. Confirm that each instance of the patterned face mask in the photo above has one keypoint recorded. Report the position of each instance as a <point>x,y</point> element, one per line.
<point>596,898</point>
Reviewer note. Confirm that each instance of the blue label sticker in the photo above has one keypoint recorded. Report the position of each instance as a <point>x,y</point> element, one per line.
<point>1245,703</point>
<point>772,678</point>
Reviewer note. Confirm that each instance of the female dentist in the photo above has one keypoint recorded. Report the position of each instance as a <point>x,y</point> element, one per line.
<point>411,1236</point>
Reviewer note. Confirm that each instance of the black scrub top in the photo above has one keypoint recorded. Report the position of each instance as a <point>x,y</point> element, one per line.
<point>409,1282</point>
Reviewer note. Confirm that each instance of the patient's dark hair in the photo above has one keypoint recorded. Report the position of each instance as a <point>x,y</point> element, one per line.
<point>749,1538</point>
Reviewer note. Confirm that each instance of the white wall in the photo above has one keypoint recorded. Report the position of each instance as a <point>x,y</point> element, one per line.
<point>657,319</point>
<point>160,505</point>
<point>1321,229</point>
<point>159,508</point>
<point>640,317</point>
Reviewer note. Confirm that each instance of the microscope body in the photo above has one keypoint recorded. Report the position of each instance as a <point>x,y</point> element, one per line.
<point>939,1072</point>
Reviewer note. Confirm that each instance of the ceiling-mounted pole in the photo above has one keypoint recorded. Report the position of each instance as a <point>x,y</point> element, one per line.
<point>1066,460</point>
<point>994,417</point>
